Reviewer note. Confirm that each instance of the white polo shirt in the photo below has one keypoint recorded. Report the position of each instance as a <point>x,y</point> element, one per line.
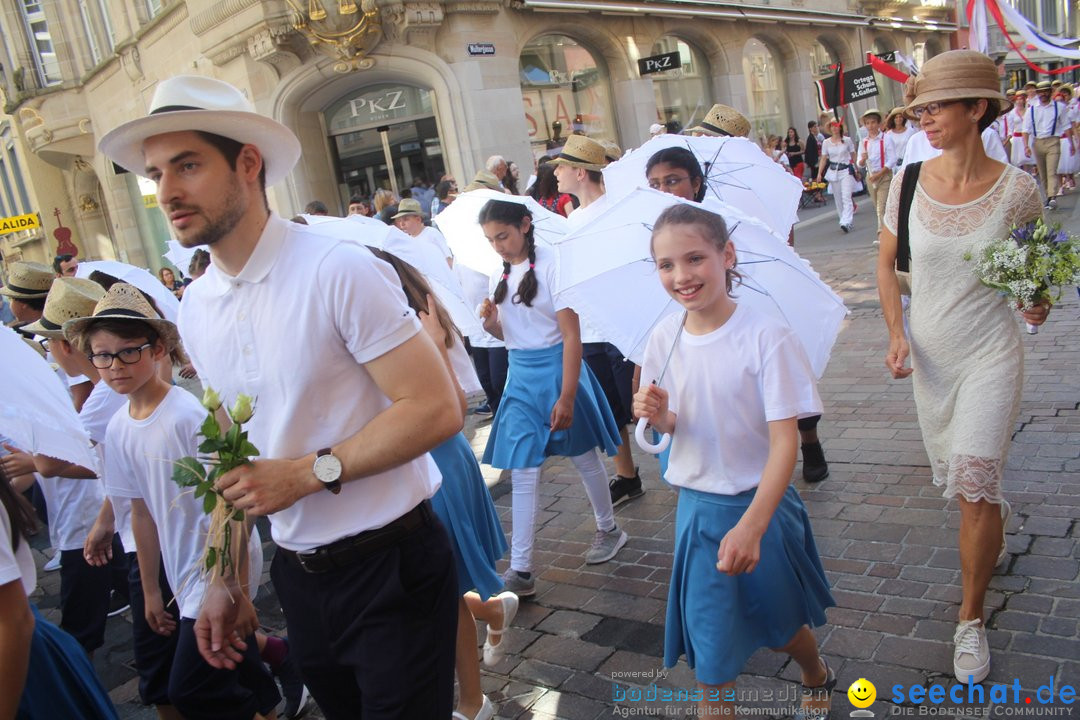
<point>578,218</point>
<point>294,329</point>
<point>1049,120</point>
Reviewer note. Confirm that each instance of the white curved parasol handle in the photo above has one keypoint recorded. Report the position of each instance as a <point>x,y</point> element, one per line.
<point>639,437</point>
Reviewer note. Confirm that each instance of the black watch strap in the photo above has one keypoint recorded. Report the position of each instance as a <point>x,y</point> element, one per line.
<point>333,486</point>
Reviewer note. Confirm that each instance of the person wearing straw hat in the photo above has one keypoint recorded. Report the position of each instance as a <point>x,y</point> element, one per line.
<point>71,495</point>
<point>897,134</point>
<point>1045,123</point>
<point>27,287</point>
<point>837,166</point>
<point>722,121</point>
<point>877,161</point>
<point>352,396</point>
<point>125,339</point>
<point>577,170</point>
<point>965,346</point>
<point>410,220</point>
<point>1013,124</point>
<point>1029,90</point>
<point>484,180</point>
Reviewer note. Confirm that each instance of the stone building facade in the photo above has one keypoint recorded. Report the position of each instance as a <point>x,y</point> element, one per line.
<point>385,91</point>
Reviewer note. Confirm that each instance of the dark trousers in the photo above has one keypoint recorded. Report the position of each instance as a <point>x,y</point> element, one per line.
<point>153,653</point>
<point>375,639</point>
<point>492,365</point>
<point>615,375</point>
<point>808,423</point>
<point>84,599</point>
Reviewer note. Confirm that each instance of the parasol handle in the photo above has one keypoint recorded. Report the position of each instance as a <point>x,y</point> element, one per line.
<point>639,437</point>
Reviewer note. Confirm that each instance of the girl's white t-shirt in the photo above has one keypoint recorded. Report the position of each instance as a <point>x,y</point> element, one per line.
<point>839,153</point>
<point>433,236</point>
<point>15,564</point>
<point>725,387</point>
<point>535,327</point>
<point>475,286</point>
<point>73,507</point>
<point>139,464</point>
<point>102,403</point>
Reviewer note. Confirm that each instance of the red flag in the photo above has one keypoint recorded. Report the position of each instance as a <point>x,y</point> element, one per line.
<point>886,69</point>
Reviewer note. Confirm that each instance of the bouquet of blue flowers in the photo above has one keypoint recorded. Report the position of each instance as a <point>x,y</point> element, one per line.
<point>1030,263</point>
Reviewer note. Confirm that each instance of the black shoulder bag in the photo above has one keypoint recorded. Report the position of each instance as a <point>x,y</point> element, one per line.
<point>903,244</point>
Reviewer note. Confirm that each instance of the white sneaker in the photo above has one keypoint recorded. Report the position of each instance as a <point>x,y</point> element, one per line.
<point>971,656</point>
<point>1006,513</point>
<point>53,564</point>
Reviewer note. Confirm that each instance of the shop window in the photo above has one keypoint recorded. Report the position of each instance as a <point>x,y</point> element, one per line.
<point>564,91</point>
<point>765,90</point>
<point>682,93</point>
<point>46,64</point>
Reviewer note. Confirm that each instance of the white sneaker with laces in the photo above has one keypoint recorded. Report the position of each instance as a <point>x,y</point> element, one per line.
<point>971,656</point>
<point>53,564</point>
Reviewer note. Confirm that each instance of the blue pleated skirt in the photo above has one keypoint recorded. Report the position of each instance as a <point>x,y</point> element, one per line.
<point>521,434</point>
<point>61,682</point>
<point>464,505</point>
<point>719,621</point>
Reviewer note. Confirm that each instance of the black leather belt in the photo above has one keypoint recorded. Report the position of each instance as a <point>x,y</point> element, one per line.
<point>351,550</point>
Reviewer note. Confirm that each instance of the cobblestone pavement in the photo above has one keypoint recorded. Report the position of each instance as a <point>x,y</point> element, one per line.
<point>592,637</point>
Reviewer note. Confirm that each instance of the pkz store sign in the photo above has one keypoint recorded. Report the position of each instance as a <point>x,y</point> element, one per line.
<point>659,63</point>
<point>379,105</point>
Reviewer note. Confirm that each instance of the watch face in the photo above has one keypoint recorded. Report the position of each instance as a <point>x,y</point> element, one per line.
<point>327,469</point>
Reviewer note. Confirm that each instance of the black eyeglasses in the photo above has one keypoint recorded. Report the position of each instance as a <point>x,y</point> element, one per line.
<point>128,356</point>
<point>930,109</point>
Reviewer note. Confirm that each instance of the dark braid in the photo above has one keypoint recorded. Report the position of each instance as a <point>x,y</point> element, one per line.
<point>512,213</point>
<point>20,514</point>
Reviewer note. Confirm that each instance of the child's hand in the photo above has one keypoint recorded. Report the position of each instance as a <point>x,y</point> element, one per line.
<point>157,617</point>
<point>562,415</point>
<point>650,401</point>
<point>489,313</point>
<point>739,551</point>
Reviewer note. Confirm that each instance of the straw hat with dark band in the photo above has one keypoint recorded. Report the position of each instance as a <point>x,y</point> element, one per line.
<point>68,299</point>
<point>408,206</point>
<point>582,152</point>
<point>482,180</point>
<point>956,75</point>
<point>893,113</point>
<point>1043,85</point>
<point>872,111</point>
<point>122,302</point>
<point>723,121</point>
<point>28,281</point>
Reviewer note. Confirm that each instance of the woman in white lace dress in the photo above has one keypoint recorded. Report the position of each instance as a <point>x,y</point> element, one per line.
<point>967,357</point>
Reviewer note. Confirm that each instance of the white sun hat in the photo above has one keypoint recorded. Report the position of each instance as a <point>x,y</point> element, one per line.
<point>194,102</point>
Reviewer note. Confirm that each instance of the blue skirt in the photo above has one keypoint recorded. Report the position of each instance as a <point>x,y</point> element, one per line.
<point>521,434</point>
<point>61,682</point>
<point>719,621</point>
<point>464,505</point>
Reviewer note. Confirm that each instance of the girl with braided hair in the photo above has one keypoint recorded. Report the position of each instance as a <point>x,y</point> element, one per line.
<point>552,404</point>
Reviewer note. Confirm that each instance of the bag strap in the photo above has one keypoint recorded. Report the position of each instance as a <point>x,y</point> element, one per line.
<point>907,194</point>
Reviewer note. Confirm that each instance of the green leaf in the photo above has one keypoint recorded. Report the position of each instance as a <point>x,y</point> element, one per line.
<point>188,471</point>
<point>200,490</point>
<point>232,438</point>
<point>210,427</point>
<point>211,445</point>
<point>247,449</point>
<point>238,515</point>
<point>209,501</point>
<point>211,558</point>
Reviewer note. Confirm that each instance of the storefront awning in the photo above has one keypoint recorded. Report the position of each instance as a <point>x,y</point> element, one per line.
<point>733,11</point>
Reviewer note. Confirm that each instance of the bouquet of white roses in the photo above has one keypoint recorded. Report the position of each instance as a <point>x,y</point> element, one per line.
<point>1028,264</point>
<point>221,453</point>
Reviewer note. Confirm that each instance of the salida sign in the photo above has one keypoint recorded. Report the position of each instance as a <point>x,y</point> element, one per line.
<point>19,222</point>
<point>659,63</point>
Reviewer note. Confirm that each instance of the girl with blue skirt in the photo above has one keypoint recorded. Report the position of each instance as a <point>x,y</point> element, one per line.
<point>746,572</point>
<point>46,673</point>
<point>552,404</point>
<point>465,508</point>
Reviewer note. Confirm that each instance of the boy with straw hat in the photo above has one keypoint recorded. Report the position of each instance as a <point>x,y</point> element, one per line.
<point>352,395</point>
<point>1045,123</point>
<point>722,121</point>
<point>877,158</point>
<point>124,339</point>
<point>577,170</point>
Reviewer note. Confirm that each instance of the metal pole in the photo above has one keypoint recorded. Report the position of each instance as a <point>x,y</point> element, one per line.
<point>384,134</point>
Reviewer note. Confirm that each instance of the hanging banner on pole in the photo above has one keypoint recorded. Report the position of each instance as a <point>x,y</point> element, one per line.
<point>846,87</point>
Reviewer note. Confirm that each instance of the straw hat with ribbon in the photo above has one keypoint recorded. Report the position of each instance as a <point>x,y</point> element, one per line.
<point>68,299</point>
<point>899,110</point>
<point>483,179</point>
<point>126,303</point>
<point>28,281</point>
<point>1043,85</point>
<point>193,102</point>
<point>956,75</point>
<point>582,152</point>
<point>612,151</point>
<point>408,206</point>
<point>721,121</point>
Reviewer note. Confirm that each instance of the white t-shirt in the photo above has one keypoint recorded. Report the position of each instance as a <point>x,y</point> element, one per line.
<point>139,464</point>
<point>433,236</point>
<point>535,327</point>
<point>463,369</point>
<point>73,507</point>
<point>475,286</point>
<point>839,153</point>
<point>899,141</point>
<point>15,564</point>
<point>725,387</point>
<point>97,411</point>
<point>294,329</point>
<point>877,152</point>
<point>578,218</point>
<point>919,148</point>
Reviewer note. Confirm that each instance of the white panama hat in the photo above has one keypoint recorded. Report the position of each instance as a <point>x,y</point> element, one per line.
<point>194,102</point>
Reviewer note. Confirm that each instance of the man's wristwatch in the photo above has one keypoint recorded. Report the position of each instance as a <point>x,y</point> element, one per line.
<point>327,469</point>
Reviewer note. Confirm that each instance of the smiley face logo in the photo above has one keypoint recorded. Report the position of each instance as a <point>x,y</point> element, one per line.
<point>862,693</point>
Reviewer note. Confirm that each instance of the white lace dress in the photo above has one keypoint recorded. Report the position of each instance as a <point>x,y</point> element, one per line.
<point>965,338</point>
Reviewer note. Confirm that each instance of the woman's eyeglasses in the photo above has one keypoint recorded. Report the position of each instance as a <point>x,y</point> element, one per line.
<point>930,109</point>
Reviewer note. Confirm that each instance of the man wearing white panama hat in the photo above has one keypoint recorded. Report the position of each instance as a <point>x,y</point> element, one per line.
<point>320,332</point>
